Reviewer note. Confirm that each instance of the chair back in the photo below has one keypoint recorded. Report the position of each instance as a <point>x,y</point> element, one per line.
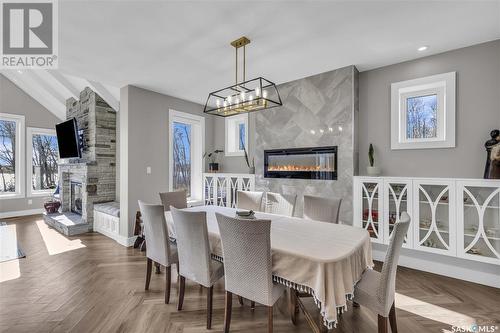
<point>156,233</point>
<point>249,200</point>
<point>246,247</point>
<point>387,284</point>
<point>281,204</point>
<point>178,199</point>
<point>192,245</point>
<point>322,209</point>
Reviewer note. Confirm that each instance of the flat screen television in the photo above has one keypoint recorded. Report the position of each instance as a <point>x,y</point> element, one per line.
<point>68,139</point>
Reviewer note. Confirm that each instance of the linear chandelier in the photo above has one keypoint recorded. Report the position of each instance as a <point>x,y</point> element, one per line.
<point>245,96</point>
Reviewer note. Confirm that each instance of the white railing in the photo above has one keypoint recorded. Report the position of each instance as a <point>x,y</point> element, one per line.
<point>219,189</point>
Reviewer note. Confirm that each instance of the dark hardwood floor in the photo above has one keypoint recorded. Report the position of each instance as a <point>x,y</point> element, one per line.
<point>90,283</point>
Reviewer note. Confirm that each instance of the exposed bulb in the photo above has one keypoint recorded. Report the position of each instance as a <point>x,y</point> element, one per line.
<point>264,93</point>
<point>229,99</point>
<point>218,103</point>
<point>242,95</point>
<point>257,92</point>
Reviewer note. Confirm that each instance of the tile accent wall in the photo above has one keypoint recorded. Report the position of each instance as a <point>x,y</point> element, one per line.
<point>319,110</point>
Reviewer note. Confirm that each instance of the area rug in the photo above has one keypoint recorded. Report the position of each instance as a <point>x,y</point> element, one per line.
<point>9,248</point>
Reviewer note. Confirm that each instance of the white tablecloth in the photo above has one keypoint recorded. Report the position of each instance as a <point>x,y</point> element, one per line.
<point>323,259</point>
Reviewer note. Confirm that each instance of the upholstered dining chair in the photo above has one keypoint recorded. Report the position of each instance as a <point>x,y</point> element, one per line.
<point>249,200</point>
<point>178,199</point>
<point>195,259</point>
<point>322,209</point>
<point>246,248</point>
<point>376,290</point>
<point>281,204</point>
<point>158,249</point>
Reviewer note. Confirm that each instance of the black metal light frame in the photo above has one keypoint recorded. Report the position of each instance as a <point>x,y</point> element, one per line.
<point>256,104</point>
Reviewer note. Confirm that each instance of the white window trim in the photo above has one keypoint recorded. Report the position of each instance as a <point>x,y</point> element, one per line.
<point>234,136</point>
<point>443,85</point>
<point>30,131</point>
<point>20,167</point>
<point>196,152</point>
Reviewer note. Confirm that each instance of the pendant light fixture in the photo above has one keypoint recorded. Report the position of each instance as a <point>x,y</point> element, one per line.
<point>244,96</point>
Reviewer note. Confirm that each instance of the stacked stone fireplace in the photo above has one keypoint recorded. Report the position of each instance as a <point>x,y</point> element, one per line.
<point>91,178</point>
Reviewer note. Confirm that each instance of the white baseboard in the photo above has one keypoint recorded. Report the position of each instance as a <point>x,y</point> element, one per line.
<point>125,241</point>
<point>26,212</point>
<point>122,240</point>
<point>458,268</point>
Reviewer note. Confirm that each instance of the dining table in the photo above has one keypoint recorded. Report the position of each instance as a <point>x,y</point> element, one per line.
<point>324,260</point>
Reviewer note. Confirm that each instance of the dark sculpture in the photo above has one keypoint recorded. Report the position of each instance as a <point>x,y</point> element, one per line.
<point>495,140</point>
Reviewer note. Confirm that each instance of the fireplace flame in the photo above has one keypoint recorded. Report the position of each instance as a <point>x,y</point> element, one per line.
<point>307,168</point>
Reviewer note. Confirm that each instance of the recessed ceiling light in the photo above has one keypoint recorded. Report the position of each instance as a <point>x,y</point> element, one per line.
<point>422,48</point>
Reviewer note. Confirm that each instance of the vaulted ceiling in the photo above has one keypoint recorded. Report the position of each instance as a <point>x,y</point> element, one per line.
<point>51,88</point>
<point>181,48</point>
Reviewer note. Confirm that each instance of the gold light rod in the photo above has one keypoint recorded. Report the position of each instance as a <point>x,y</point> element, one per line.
<point>240,42</point>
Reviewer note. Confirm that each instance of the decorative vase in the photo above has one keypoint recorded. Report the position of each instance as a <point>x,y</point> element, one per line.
<point>51,207</point>
<point>213,167</point>
<point>373,171</point>
<point>251,170</point>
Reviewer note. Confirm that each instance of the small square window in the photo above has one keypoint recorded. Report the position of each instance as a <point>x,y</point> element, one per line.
<point>423,112</point>
<point>236,135</point>
<point>421,117</point>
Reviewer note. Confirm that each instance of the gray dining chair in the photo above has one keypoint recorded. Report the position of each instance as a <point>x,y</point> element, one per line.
<point>158,249</point>
<point>376,290</point>
<point>195,259</point>
<point>281,204</point>
<point>178,199</point>
<point>246,248</point>
<point>249,200</point>
<point>322,209</point>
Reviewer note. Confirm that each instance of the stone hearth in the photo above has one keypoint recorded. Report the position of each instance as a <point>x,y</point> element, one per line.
<point>95,171</point>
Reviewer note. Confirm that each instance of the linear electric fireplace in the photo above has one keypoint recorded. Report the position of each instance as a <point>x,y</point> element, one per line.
<point>301,163</point>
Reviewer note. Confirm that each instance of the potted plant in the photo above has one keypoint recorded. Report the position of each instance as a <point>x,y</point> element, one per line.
<point>251,166</point>
<point>372,170</point>
<point>213,166</point>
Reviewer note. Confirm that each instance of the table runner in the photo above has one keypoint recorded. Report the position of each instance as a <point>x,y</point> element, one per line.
<point>323,259</point>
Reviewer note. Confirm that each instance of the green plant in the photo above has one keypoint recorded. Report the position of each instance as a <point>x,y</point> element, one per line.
<point>370,155</point>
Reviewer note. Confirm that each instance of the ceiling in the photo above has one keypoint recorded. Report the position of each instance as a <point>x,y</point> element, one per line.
<point>51,88</point>
<point>181,48</point>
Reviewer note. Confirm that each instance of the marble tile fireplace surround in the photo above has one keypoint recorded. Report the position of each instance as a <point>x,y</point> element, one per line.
<point>317,111</point>
<point>90,179</point>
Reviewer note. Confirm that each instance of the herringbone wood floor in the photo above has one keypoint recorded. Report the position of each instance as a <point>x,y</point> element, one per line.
<point>100,288</point>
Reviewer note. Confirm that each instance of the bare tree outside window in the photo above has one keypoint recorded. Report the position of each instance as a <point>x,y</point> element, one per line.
<point>241,135</point>
<point>7,156</point>
<point>421,117</point>
<point>182,157</point>
<point>44,175</point>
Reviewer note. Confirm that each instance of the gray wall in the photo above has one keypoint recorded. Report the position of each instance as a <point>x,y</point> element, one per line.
<point>143,136</point>
<point>477,110</point>
<point>15,101</point>
<point>313,103</point>
<point>233,164</point>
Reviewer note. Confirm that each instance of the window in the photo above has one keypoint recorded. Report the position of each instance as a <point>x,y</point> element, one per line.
<point>186,134</point>
<point>42,160</point>
<point>11,143</point>
<point>423,112</point>
<point>236,135</point>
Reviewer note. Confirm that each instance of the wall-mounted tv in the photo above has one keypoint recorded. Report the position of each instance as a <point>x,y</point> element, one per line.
<point>68,139</point>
